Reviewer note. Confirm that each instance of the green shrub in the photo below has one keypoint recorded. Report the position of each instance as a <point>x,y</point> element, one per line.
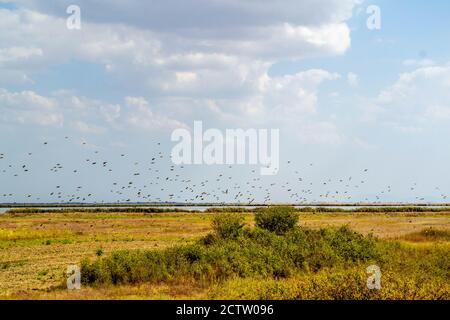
<point>235,252</point>
<point>351,245</point>
<point>277,219</point>
<point>228,225</point>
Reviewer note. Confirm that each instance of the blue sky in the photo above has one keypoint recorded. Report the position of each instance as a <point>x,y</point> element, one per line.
<point>344,97</point>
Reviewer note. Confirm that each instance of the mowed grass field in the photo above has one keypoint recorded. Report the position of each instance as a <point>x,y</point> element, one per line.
<point>36,248</point>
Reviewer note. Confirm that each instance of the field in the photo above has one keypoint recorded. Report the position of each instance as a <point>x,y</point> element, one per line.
<point>412,249</point>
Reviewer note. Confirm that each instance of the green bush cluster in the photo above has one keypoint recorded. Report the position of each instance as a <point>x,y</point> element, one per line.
<point>228,225</point>
<point>277,219</point>
<point>256,252</point>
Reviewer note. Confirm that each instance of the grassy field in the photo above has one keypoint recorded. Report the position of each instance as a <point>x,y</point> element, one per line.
<point>412,248</point>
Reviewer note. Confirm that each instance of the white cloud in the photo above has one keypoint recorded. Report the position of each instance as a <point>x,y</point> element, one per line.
<point>84,127</point>
<point>294,97</point>
<point>217,62</point>
<point>82,114</point>
<point>411,84</point>
<point>289,101</point>
<point>28,107</point>
<point>222,17</point>
<point>18,54</point>
<point>141,116</point>
<point>155,59</point>
<point>417,100</point>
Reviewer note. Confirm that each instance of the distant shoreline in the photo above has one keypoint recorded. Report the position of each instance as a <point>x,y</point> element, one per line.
<point>158,205</point>
<point>144,209</point>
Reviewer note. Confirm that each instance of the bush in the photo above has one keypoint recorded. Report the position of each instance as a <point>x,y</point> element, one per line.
<point>228,225</point>
<point>253,253</point>
<point>351,245</point>
<point>277,219</point>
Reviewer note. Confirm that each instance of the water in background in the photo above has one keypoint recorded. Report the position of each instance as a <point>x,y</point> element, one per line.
<point>204,208</point>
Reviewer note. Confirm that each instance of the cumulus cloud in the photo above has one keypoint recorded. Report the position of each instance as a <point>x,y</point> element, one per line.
<point>173,15</point>
<point>28,107</point>
<point>141,115</point>
<point>83,114</point>
<point>295,96</point>
<point>146,51</point>
<point>214,60</point>
<point>416,101</point>
<point>272,99</point>
<point>18,54</point>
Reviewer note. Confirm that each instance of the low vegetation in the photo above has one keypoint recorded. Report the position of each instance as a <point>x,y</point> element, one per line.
<point>257,252</point>
<point>20,211</point>
<point>427,235</point>
<point>224,254</point>
<point>279,260</point>
<point>335,284</point>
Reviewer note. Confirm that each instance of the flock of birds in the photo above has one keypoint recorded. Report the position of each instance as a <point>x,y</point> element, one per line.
<point>158,180</point>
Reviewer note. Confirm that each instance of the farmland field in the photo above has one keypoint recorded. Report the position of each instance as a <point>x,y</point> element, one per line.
<point>36,248</point>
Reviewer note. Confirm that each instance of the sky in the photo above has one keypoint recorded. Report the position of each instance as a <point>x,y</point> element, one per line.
<point>363,113</point>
